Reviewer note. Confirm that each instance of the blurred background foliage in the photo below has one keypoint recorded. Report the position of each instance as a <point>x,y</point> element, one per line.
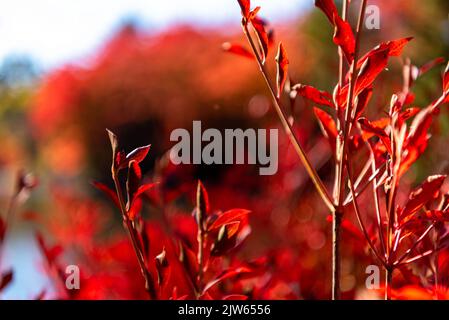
<point>143,85</point>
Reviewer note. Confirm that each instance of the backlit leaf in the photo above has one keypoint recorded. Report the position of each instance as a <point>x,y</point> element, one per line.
<point>282,69</point>
<point>373,129</point>
<point>344,37</point>
<point>233,215</point>
<point>262,36</point>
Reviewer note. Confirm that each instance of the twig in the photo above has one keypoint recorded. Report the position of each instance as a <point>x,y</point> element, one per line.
<point>149,284</point>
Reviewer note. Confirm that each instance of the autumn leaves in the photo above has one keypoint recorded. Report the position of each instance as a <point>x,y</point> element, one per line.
<point>391,143</point>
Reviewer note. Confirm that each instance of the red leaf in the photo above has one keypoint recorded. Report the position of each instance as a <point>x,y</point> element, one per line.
<point>340,96</point>
<point>245,6</point>
<point>407,114</point>
<point>328,126</point>
<point>375,61</point>
<point>237,49</point>
<point>262,36</point>
<point>313,94</point>
<point>349,228</point>
<point>396,46</point>
<point>133,182</point>
<point>137,155</point>
<point>370,70</point>
<point>344,37</point>
<point>226,239</point>
<point>135,208</point>
<point>429,65</point>
<point>253,13</point>
<point>362,101</point>
<point>5,279</point>
<point>188,259</point>
<point>352,230</point>
<point>416,142</point>
<point>107,191</point>
<point>423,194</point>
<point>355,143</point>
<point>230,273</point>
<point>230,236</point>
<point>235,297</point>
<point>328,7</point>
<point>233,215</point>
<point>282,69</point>
<point>373,129</point>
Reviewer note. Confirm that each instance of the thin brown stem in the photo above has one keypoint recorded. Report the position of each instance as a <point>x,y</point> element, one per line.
<point>341,63</point>
<point>149,283</point>
<point>336,230</point>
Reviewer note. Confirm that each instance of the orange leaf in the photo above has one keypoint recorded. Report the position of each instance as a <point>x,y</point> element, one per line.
<point>375,61</point>
<point>137,155</point>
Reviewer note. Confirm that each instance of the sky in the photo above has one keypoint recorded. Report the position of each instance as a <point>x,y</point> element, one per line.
<point>54,32</point>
